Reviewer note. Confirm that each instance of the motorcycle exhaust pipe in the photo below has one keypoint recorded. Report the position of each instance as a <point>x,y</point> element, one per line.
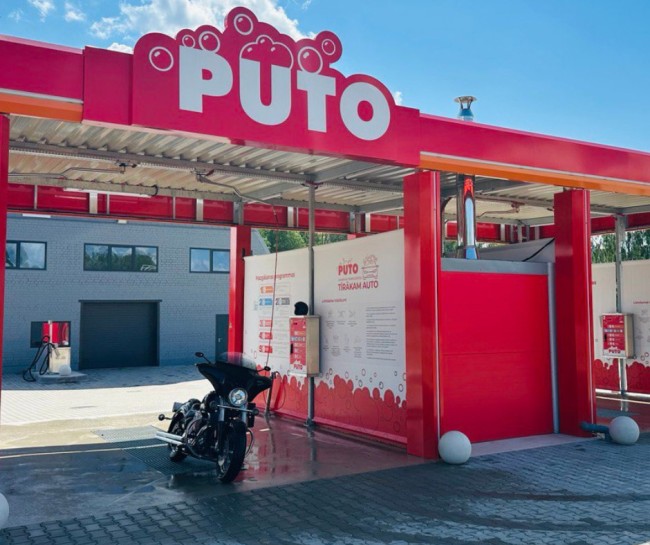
<point>170,438</point>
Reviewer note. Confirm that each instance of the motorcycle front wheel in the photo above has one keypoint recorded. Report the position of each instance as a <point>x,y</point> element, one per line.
<point>233,450</point>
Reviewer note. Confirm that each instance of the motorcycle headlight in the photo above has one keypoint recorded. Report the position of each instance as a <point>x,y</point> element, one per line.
<point>238,397</point>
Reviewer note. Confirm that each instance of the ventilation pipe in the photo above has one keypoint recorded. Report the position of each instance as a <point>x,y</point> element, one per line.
<point>465,201</point>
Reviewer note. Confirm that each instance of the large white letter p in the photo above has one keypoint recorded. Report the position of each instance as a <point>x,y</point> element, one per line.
<point>192,84</point>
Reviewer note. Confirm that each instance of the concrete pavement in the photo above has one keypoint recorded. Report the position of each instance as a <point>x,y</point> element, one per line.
<point>102,480</point>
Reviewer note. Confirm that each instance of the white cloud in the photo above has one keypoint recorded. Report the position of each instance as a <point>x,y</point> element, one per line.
<point>43,6</point>
<point>169,16</point>
<point>397,96</point>
<point>73,13</point>
<point>120,47</point>
<point>16,15</point>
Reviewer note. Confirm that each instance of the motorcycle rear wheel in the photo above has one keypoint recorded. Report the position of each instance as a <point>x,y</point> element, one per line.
<point>176,453</point>
<point>231,457</point>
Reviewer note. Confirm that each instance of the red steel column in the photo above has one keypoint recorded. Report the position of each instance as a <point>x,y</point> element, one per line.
<point>240,246</point>
<point>422,261</point>
<point>4,181</point>
<point>573,303</point>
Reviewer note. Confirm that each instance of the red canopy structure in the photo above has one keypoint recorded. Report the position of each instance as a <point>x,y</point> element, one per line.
<point>232,127</point>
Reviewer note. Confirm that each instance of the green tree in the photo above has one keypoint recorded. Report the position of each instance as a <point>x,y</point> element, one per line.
<point>290,240</point>
<point>635,246</point>
<point>323,238</point>
<point>281,240</point>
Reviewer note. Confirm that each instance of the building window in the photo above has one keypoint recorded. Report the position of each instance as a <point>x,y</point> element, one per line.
<point>117,257</point>
<point>206,260</point>
<point>25,255</point>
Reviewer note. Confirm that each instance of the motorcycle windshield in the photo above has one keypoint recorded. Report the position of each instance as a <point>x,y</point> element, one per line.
<point>238,359</point>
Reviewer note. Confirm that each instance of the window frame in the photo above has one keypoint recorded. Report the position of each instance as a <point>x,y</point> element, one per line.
<point>18,267</point>
<point>211,264</point>
<point>109,260</point>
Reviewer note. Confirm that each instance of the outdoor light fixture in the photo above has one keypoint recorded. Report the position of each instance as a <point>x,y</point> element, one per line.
<point>465,112</point>
<point>99,191</point>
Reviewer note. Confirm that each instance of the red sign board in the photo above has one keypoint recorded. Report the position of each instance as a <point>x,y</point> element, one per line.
<point>614,337</point>
<point>298,334</point>
<point>252,85</point>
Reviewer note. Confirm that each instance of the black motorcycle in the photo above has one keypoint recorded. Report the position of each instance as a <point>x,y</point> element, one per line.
<point>216,428</point>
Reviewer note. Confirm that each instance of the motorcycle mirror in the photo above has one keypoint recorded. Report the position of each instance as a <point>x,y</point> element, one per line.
<point>199,354</point>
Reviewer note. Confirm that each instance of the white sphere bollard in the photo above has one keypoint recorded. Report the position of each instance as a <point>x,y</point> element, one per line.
<point>65,370</point>
<point>624,430</point>
<point>4,511</point>
<point>454,447</point>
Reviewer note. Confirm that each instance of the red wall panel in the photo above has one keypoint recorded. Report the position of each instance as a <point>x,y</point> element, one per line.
<point>20,196</point>
<point>4,183</point>
<point>107,86</point>
<point>495,355</point>
<point>217,211</point>
<point>326,220</point>
<point>606,377</point>
<point>240,247</point>
<point>454,138</point>
<point>638,378</point>
<point>41,68</point>
<point>380,223</point>
<point>56,199</point>
<point>422,267</point>
<point>265,215</point>
<point>154,207</point>
<point>574,311</point>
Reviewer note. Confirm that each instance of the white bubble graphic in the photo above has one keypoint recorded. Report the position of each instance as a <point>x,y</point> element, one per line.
<point>209,41</point>
<point>307,59</point>
<point>243,24</point>
<point>161,59</point>
<point>329,47</point>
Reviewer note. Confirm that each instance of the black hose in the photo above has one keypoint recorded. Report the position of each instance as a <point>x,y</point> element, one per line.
<point>539,251</point>
<point>45,348</point>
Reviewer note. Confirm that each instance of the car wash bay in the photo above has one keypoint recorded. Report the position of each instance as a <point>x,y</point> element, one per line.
<point>478,342</point>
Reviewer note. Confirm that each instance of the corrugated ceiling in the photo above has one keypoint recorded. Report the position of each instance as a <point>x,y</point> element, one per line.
<point>73,155</point>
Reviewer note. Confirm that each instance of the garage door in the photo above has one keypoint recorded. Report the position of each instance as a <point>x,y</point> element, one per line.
<point>118,334</point>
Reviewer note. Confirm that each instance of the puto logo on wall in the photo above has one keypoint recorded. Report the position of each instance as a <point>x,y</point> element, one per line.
<point>253,85</point>
<point>355,276</point>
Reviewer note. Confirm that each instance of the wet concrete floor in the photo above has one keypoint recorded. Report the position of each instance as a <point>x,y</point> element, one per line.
<point>65,468</point>
<point>85,466</point>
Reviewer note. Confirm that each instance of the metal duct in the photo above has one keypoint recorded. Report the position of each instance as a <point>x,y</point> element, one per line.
<point>465,201</point>
<point>466,217</point>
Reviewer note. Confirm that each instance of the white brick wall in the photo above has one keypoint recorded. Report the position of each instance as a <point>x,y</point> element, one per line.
<point>189,301</point>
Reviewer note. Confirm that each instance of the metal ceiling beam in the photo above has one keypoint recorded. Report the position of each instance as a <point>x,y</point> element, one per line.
<point>634,210</point>
<point>144,161</point>
<point>340,171</point>
<point>365,186</point>
<point>384,206</point>
<point>548,220</point>
<point>491,185</point>
<point>271,191</point>
<point>123,188</point>
<point>539,203</point>
<point>486,219</point>
<point>319,205</point>
<point>485,186</point>
<point>150,161</point>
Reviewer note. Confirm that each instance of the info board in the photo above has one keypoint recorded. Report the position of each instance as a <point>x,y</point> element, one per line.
<point>359,296</point>
<point>636,301</point>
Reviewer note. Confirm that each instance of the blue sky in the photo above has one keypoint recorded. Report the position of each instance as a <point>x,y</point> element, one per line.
<point>577,69</point>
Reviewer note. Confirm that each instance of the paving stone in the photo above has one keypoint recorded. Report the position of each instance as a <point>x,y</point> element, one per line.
<point>592,493</point>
